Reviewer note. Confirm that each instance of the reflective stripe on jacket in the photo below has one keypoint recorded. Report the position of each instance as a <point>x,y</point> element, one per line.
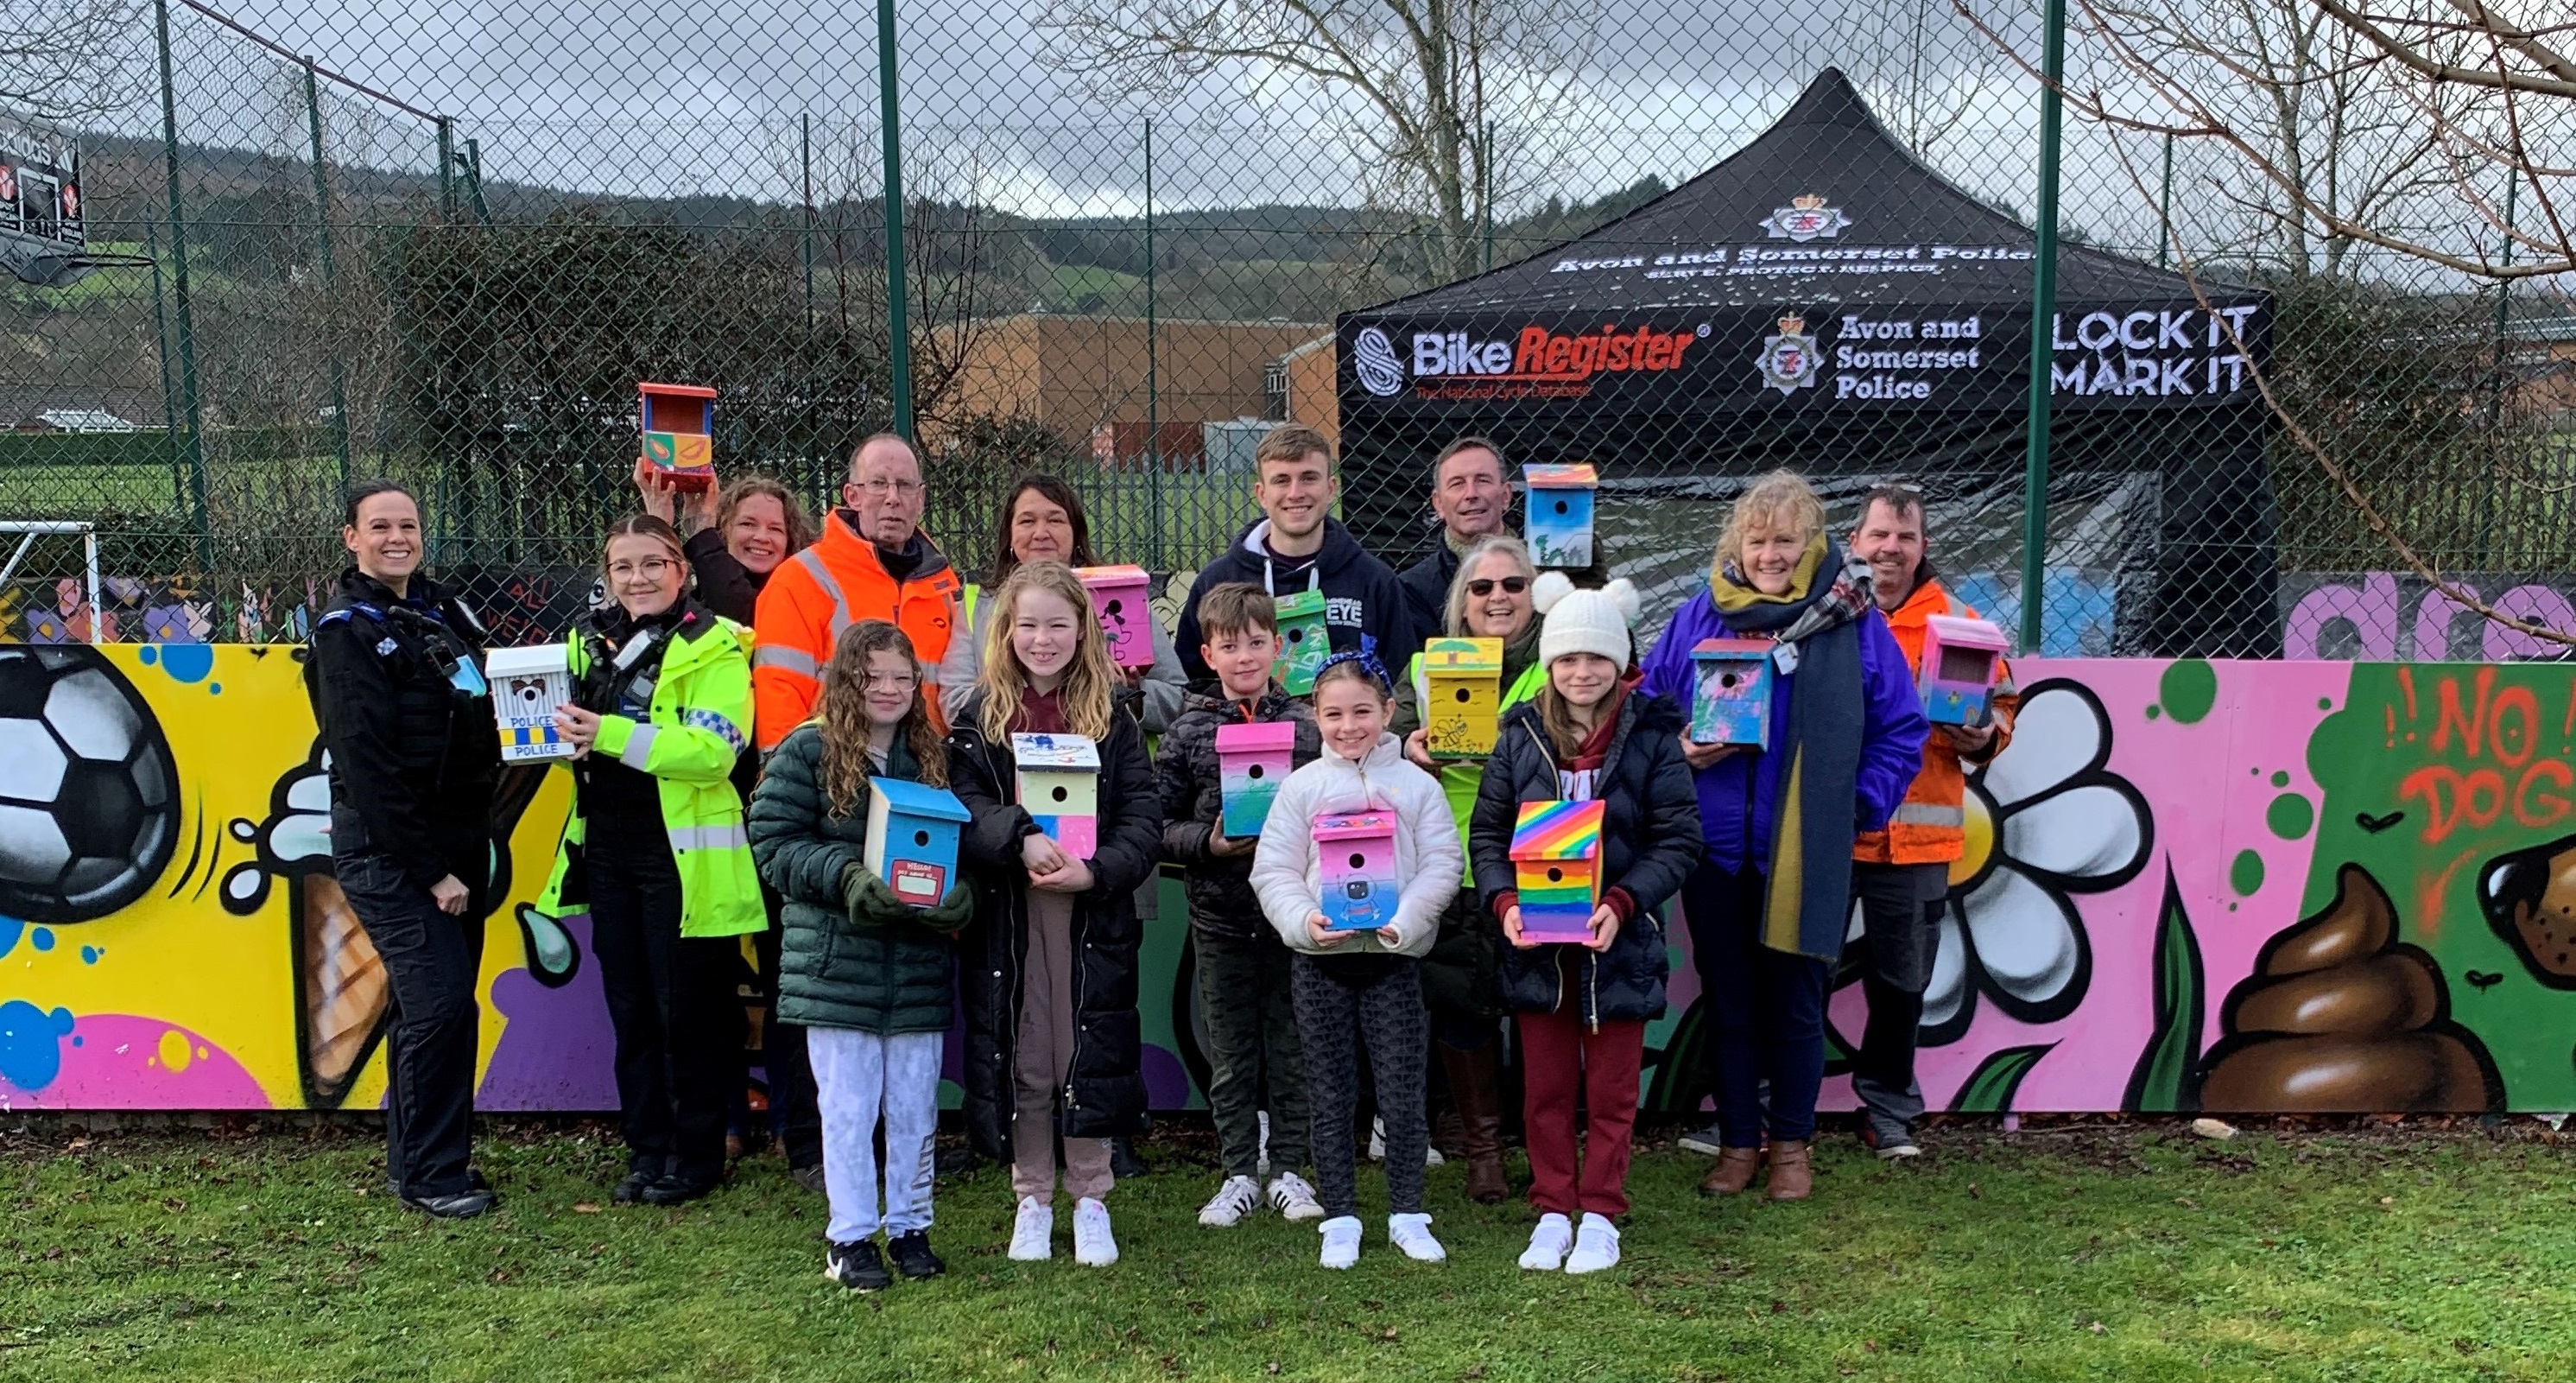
<point>1930,826</point>
<point>825,589</point>
<point>692,734</point>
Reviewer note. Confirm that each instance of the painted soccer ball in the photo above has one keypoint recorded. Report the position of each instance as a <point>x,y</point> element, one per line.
<point>89,811</point>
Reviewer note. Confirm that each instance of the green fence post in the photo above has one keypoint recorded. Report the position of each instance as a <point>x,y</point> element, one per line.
<point>2164,210</point>
<point>805,237</point>
<point>898,313</point>
<point>446,169</point>
<point>322,221</point>
<point>169,391</point>
<point>2504,307</point>
<point>1153,372</point>
<point>2043,333</point>
<point>195,447</point>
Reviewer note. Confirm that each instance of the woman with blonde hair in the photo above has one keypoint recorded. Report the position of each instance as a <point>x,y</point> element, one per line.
<point>1052,1041</point>
<point>1770,900</point>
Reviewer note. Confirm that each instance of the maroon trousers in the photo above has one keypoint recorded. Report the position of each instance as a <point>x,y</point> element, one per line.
<point>1559,1061</point>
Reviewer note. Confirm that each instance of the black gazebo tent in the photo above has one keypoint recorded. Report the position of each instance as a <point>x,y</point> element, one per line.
<point>1822,300</point>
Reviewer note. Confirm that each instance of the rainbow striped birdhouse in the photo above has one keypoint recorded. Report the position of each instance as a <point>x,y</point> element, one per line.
<point>527,685</point>
<point>678,420</point>
<point>1556,865</point>
<point>1251,762</point>
<point>1059,782</point>
<point>1118,596</point>
<point>1304,643</point>
<point>1355,855</point>
<point>1458,684</point>
<point>1731,692</point>
<point>1557,514</point>
<point>912,838</point>
<point>1957,676</point>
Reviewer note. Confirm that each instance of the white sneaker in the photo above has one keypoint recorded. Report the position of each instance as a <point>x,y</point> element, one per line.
<point>1093,1246</point>
<point>1033,1231</point>
<point>1377,1145</point>
<point>1239,1197</point>
<point>1596,1247</point>
<point>1341,1241</point>
<point>1412,1233</point>
<point>1294,1198</point>
<point>1548,1243</point>
<point>1707,1142</point>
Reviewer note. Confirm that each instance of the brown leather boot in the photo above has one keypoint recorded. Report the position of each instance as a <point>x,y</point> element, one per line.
<point>1791,1178</point>
<point>1733,1172</point>
<point>1476,1086</point>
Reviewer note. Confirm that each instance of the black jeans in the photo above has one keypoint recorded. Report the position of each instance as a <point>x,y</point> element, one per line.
<point>1765,1011</point>
<point>1336,1018</point>
<point>1900,910</point>
<point>673,1006</point>
<point>785,1069</point>
<point>432,962</point>
<point>1253,1048</point>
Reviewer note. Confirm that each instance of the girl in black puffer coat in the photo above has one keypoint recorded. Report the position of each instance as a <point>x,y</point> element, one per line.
<point>866,971</point>
<point>1052,1037</point>
<point>1582,1008</point>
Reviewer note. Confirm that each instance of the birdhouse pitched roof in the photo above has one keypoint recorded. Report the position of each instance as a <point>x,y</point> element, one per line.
<point>1262,737</point>
<point>918,799</point>
<point>1055,754</point>
<point>1731,648</point>
<point>1463,658</point>
<point>1546,476</point>
<point>1297,604</point>
<point>1558,830</point>
<point>1353,825</point>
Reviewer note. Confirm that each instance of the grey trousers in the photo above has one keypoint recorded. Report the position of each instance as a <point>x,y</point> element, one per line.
<point>1334,1016</point>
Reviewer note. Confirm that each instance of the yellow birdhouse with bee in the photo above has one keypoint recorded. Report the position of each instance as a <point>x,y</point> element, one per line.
<point>1458,686</point>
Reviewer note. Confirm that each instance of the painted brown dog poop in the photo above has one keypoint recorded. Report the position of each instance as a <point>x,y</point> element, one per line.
<point>2341,1017</point>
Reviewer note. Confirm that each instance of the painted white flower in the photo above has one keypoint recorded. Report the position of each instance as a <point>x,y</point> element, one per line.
<point>2047,820</point>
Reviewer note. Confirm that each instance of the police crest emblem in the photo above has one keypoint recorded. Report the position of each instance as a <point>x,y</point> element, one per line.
<point>1788,359</point>
<point>1806,217</point>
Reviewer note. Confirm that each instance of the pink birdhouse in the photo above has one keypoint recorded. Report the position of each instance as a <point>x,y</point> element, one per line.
<point>1355,853</point>
<point>1252,761</point>
<point>1957,678</point>
<point>1118,597</point>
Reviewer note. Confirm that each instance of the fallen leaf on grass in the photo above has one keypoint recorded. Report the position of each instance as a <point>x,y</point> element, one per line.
<point>2098,1328</point>
<point>585,1207</point>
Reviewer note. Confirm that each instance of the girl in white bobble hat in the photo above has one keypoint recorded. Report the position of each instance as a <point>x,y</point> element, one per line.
<point>1582,1007</point>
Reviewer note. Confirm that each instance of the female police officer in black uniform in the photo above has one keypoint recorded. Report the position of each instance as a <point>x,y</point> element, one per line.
<point>399,692</point>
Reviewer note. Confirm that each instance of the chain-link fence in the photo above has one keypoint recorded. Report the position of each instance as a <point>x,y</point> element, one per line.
<point>443,241</point>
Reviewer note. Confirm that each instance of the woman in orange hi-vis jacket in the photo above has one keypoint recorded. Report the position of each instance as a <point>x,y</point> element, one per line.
<point>872,562</point>
<point>1901,875</point>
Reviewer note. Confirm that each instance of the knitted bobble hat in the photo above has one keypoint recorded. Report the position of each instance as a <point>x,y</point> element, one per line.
<point>1584,621</point>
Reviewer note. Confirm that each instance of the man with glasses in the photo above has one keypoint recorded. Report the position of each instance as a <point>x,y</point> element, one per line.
<point>872,562</point>
<point>1472,498</point>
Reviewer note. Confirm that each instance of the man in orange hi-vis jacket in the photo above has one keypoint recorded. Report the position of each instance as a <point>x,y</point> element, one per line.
<point>872,562</point>
<point>1902,875</point>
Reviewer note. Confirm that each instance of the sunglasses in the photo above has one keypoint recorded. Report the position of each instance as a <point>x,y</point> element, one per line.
<point>1484,586</point>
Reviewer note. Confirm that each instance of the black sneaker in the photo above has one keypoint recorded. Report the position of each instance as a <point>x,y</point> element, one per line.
<point>1889,1138</point>
<point>462,1206</point>
<point>912,1255</point>
<point>811,1178</point>
<point>679,1190</point>
<point>632,1189</point>
<point>955,1163</point>
<point>857,1266</point>
<point>1124,1164</point>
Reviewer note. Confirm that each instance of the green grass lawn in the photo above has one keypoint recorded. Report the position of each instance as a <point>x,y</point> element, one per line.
<point>2115,1254</point>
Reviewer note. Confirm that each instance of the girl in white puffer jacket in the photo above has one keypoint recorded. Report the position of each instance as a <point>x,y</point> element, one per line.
<point>1361,985</point>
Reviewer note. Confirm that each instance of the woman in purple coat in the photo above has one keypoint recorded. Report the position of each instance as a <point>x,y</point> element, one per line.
<point>1770,901</point>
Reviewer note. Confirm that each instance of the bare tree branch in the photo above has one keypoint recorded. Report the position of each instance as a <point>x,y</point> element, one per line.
<point>64,59</point>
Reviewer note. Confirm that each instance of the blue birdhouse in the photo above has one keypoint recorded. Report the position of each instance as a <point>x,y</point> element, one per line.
<point>912,838</point>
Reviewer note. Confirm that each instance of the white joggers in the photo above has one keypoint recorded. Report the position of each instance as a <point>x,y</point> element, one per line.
<point>859,1078</point>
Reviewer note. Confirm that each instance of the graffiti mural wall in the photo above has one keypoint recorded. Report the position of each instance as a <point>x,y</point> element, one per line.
<point>2232,886</point>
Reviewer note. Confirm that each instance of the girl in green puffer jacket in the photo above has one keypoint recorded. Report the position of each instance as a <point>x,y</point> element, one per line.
<point>867,974</point>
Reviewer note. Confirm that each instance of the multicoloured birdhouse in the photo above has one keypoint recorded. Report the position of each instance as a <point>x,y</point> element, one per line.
<point>1957,676</point>
<point>1118,596</point>
<point>1060,786</point>
<point>912,838</point>
<point>1557,510</point>
<point>678,420</point>
<point>1355,853</point>
<point>1304,643</point>
<point>527,685</point>
<point>1458,684</point>
<point>1556,865</point>
<point>1251,762</point>
<point>1731,692</point>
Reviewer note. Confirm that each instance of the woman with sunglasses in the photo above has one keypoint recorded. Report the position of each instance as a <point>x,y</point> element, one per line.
<point>657,853</point>
<point>1488,599</point>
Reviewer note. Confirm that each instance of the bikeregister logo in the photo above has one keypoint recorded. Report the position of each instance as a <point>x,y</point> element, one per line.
<point>1533,362</point>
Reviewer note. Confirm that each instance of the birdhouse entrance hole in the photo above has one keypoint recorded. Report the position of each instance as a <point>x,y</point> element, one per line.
<point>1057,793</point>
<point>1358,860</point>
<point>1555,875</point>
<point>921,837</point>
<point>1463,694</point>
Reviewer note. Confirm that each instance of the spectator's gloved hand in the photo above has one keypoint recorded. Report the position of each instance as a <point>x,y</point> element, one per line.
<point>869,900</point>
<point>952,913</point>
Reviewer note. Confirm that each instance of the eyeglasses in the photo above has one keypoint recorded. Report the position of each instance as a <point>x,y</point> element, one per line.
<point>890,681</point>
<point>886,487</point>
<point>1484,586</point>
<point>650,569</point>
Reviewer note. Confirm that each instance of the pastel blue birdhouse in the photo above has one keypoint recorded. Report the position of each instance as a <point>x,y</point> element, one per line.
<point>912,838</point>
